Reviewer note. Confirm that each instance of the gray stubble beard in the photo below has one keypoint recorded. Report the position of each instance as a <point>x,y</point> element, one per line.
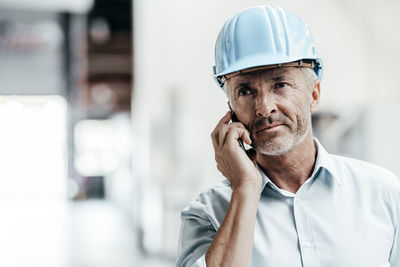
<point>280,145</point>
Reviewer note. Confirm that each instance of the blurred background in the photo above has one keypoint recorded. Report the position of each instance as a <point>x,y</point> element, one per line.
<point>106,110</point>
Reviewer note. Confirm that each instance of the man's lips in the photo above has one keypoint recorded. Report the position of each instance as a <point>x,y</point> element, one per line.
<point>269,127</point>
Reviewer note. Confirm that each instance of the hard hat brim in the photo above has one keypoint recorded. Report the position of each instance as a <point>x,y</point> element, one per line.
<point>315,64</point>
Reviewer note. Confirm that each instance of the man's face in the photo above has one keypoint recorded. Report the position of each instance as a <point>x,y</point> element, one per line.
<point>275,105</point>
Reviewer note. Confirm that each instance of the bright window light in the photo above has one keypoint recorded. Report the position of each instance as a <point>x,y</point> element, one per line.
<point>33,148</point>
<point>101,145</point>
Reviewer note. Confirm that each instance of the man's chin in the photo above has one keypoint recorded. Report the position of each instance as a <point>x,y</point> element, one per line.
<point>275,151</point>
<point>279,144</point>
<point>273,146</point>
<point>272,149</point>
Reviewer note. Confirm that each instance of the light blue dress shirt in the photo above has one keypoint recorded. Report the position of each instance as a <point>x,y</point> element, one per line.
<point>347,214</point>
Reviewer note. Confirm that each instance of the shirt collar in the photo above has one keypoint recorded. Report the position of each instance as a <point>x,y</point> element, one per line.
<point>324,160</point>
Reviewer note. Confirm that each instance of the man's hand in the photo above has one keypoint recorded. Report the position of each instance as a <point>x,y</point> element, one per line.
<point>233,242</point>
<point>234,163</point>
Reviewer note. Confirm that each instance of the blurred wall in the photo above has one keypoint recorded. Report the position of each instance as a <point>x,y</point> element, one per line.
<point>35,38</point>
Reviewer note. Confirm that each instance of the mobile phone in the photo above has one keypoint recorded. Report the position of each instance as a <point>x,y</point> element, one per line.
<point>235,119</point>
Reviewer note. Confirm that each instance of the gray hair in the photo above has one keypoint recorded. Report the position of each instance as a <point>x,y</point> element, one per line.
<point>311,77</point>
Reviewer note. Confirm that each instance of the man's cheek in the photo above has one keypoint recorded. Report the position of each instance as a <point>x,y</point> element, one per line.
<point>248,125</point>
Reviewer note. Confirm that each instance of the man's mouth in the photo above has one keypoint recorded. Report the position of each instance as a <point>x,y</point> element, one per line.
<point>270,127</point>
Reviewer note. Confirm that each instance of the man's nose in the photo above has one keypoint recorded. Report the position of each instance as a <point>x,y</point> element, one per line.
<point>265,105</point>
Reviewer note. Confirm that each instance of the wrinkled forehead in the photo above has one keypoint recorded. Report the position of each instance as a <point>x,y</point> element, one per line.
<point>267,75</point>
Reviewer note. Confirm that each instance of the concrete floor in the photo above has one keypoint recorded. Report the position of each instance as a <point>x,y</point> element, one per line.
<point>82,234</point>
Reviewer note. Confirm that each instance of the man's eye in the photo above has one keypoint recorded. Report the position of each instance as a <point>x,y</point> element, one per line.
<point>244,91</point>
<point>280,85</point>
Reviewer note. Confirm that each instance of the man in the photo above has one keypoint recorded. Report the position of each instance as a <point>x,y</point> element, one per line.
<point>287,202</point>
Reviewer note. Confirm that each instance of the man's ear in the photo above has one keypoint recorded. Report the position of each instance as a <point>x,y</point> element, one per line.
<point>315,96</point>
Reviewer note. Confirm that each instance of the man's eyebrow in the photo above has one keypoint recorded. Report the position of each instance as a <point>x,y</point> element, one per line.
<point>278,78</point>
<point>242,84</point>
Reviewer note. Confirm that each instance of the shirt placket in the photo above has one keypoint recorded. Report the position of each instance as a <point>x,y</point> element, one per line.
<point>305,232</point>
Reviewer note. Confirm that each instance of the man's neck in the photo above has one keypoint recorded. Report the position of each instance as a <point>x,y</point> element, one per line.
<point>291,170</point>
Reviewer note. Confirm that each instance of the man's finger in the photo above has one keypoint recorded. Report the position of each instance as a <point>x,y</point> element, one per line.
<point>215,135</point>
<point>222,134</point>
<point>233,127</point>
<point>214,138</point>
<point>246,137</point>
<point>234,134</point>
<point>225,119</point>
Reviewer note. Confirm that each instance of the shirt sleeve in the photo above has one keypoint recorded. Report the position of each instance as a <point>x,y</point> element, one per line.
<point>196,235</point>
<point>395,252</point>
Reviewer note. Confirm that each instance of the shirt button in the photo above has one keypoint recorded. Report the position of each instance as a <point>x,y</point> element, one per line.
<point>307,244</point>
